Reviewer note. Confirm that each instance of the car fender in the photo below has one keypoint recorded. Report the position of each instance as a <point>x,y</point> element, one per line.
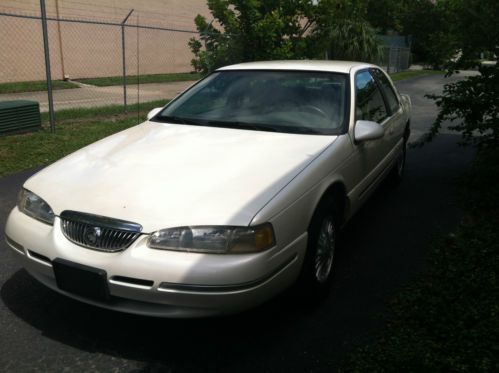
<point>291,210</point>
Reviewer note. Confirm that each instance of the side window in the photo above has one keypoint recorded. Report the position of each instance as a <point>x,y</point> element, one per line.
<point>391,97</point>
<point>369,101</point>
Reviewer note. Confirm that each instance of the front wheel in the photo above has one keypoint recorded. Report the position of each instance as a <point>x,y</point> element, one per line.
<point>318,267</point>
<point>324,250</point>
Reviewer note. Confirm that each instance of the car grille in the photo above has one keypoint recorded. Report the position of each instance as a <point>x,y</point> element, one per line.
<point>98,232</point>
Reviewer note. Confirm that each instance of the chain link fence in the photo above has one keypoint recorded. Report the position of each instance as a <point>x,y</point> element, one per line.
<point>395,59</point>
<point>93,62</point>
<point>99,63</point>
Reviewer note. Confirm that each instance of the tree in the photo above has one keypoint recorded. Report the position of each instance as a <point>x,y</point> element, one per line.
<point>474,101</point>
<point>343,30</point>
<point>385,15</point>
<point>429,23</point>
<point>251,30</point>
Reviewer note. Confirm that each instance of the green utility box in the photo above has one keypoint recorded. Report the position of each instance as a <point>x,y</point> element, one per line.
<point>19,116</point>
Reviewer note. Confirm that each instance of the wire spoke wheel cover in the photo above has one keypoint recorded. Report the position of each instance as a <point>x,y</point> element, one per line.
<point>325,250</point>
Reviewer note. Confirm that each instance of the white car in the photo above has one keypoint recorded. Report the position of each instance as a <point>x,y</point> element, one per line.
<point>220,200</point>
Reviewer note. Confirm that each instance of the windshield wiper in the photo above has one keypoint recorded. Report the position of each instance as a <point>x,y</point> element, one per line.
<point>305,131</point>
<point>243,125</point>
<point>235,125</point>
<point>177,120</point>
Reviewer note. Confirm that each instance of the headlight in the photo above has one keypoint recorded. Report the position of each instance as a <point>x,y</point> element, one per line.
<point>215,239</point>
<point>34,206</point>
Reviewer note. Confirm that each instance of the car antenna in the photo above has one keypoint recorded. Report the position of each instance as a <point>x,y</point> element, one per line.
<point>138,72</point>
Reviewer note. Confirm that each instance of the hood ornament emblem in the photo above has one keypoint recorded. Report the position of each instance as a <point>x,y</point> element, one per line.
<point>92,235</point>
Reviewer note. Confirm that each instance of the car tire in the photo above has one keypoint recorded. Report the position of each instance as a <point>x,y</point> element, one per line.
<point>318,265</point>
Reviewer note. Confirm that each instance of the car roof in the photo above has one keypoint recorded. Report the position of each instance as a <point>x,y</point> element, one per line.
<point>305,65</point>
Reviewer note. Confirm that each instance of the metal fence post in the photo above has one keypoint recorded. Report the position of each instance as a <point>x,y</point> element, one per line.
<point>399,67</point>
<point>123,51</point>
<point>388,60</point>
<point>47,65</point>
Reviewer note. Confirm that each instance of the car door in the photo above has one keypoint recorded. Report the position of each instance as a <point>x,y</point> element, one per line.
<point>370,105</point>
<point>394,125</point>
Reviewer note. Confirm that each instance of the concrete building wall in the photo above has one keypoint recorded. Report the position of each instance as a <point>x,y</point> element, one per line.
<point>89,50</point>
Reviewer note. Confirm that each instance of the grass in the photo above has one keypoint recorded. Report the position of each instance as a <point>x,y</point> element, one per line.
<point>132,79</point>
<point>34,86</point>
<point>17,87</point>
<point>103,112</point>
<point>448,320</point>
<point>75,129</point>
<point>413,73</point>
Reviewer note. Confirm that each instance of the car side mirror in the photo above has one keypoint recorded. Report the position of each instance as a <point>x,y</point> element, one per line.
<point>366,130</point>
<point>153,112</point>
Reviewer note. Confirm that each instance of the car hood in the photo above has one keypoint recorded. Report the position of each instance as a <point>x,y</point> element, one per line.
<point>164,175</point>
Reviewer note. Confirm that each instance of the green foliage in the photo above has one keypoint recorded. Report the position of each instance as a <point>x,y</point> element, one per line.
<point>385,15</point>
<point>472,103</point>
<point>429,24</point>
<point>354,40</point>
<point>474,24</point>
<point>143,79</point>
<point>279,30</point>
<point>252,30</point>
<point>35,86</point>
<point>342,29</point>
<point>448,321</point>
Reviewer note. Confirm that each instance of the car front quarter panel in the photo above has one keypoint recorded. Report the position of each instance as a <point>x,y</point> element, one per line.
<point>292,208</point>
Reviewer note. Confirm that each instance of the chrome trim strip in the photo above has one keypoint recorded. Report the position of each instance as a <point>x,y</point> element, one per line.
<point>191,288</point>
<point>132,282</point>
<point>14,245</point>
<point>109,234</point>
<point>39,258</point>
<point>101,221</point>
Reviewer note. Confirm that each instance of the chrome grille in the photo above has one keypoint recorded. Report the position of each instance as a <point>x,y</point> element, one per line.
<point>98,232</point>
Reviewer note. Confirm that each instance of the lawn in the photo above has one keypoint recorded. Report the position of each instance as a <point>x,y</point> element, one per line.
<point>448,320</point>
<point>17,87</point>
<point>143,79</point>
<point>103,112</point>
<point>75,129</point>
<point>34,86</point>
<point>401,75</point>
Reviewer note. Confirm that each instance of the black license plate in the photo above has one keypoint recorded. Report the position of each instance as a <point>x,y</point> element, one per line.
<point>80,279</point>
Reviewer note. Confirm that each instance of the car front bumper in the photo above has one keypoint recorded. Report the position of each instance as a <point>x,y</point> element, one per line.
<point>158,282</point>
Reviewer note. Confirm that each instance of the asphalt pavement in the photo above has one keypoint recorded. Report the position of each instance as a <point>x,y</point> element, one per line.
<point>382,249</point>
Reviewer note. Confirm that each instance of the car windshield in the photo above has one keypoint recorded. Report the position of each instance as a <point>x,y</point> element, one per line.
<point>305,102</point>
